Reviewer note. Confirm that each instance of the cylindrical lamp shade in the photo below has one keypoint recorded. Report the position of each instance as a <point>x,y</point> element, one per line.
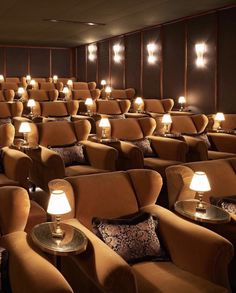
<point>108,89</point>
<point>28,77</point>
<point>182,100</point>
<point>104,122</point>
<point>65,90</point>
<point>1,78</point>
<point>138,101</point>
<point>200,182</point>
<point>24,127</point>
<point>20,90</point>
<point>31,103</point>
<point>166,119</point>
<point>32,82</point>
<point>69,82</point>
<point>219,116</point>
<point>103,82</point>
<point>89,102</point>
<point>55,78</point>
<point>58,203</point>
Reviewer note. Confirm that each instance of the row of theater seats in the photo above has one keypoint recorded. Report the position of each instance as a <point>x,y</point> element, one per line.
<point>133,145</point>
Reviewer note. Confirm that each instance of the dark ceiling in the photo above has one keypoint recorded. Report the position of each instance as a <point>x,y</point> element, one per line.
<point>21,22</point>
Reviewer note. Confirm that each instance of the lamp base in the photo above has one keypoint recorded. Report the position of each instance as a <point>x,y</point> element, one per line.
<point>200,205</point>
<point>58,234</point>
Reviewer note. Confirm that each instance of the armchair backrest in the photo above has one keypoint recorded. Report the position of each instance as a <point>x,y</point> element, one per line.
<point>55,109</point>
<point>221,175</point>
<point>193,124</point>
<point>81,94</point>
<point>108,201</point>
<point>112,107</point>
<point>158,106</point>
<point>12,79</point>
<point>7,95</point>
<point>80,85</point>
<point>47,86</point>
<point>123,93</point>
<point>10,109</point>
<point>43,95</point>
<point>131,128</point>
<point>62,132</point>
<point>65,79</point>
<point>229,123</point>
<point>9,86</point>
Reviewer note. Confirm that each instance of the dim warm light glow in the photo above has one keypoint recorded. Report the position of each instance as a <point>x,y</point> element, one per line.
<point>58,203</point>
<point>138,101</point>
<point>166,119</point>
<point>20,91</point>
<point>92,52</point>
<point>200,49</point>
<point>182,100</point>
<point>108,89</point>
<point>24,127</point>
<point>104,123</point>
<point>55,78</point>
<point>89,102</point>
<point>200,182</point>
<point>70,82</point>
<point>32,82</point>
<point>31,103</point>
<point>103,82</point>
<point>28,78</point>
<point>219,116</point>
<point>65,90</point>
<point>151,48</point>
<point>1,78</point>
<point>117,53</point>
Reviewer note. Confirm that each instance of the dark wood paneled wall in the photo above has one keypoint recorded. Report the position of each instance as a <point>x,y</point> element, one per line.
<point>39,62</point>
<point>175,73</point>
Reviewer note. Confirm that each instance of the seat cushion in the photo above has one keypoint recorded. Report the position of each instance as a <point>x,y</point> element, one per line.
<point>166,277</point>
<point>82,170</point>
<point>214,155</point>
<point>159,165</point>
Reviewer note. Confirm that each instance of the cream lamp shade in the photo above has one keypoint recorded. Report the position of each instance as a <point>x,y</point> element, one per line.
<point>108,89</point>
<point>58,203</point>
<point>70,82</point>
<point>89,102</point>
<point>219,116</point>
<point>31,103</point>
<point>28,78</point>
<point>65,90</point>
<point>1,77</point>
<point>138,101</point>
<point>103,82</point>
<point>20,91</point>
<point>200,182</point>
<point>166,119</point>
<point>104,122</point>
<point>32,82</point>
<point>24,127</point>
<point>182,100</point>
<point>55,78</point>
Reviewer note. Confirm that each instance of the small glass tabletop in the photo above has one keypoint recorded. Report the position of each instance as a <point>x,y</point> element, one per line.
<point>213,214</point>
<point>74,241</point>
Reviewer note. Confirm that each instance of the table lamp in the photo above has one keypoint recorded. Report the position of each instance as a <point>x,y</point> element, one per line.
<point>1,78</point>
<point>58,205</point>
<point>139,102</point>
<point>31,104</point>
<point>103,83</point>
<point>181,101</point>
<point>70,83</point>
<point>89,103</point>
<point>108,91</point>
<point>166,120</point>
<point>55,78</point>
<point>20,92</point>
<point>66,92</point>
<point>33,83</point>
<point>219,117</point>
<point>104,124</point>
<point>25,129</point>
<point>200,184</point>
<point>28,79</point>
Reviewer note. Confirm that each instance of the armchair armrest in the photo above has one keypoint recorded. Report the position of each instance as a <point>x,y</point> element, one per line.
<point>168,148</point>
<point>197,148</point>
<point>47,165</point>
<point>53,95</point>
<point>101,156</point>
<point>10,94</point>
<point>223,142</point>
<point>29,271</point>
<point>92,85</point>
<point>95,93</point>
<point>16,166</point>
<point>194,248</point>
<point>103,266</point>
<point>72,107</point>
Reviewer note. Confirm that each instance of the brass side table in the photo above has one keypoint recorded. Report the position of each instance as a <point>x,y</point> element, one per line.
<point>213,214</point>
<point>74,241</point>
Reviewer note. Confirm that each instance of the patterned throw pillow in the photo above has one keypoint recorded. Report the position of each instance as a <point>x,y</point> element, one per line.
<point>145,146</point>
<point>5,120</point>
<point>227,203</point>
<point>71,155</point>
<point>134,239</point>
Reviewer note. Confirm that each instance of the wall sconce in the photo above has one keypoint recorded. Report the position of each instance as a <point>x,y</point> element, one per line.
<point>1,78</point>
<point>218,118</point>
<point>117,53</point>
<point>166,120</point>
<point>139,102</point>
<point>181,101</point>
<point>200,49</point>
<point>92,52</point>
<point>151,48</point>
<point>200,184</point>
<point>104,124</point>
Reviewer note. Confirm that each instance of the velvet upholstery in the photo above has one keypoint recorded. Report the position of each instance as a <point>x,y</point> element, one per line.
<point>7,95</point>
<point>106,270</point>
<point>42,95</point>
<point>153,106</point>
<point>48,165</point>
<point>122,94</point>
<point>9,85</point>
<point>29,270</point>
<point>10,109</point>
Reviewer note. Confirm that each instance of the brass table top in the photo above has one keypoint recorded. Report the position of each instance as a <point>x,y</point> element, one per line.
<point>213,214</point>
<point>74,241</point>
